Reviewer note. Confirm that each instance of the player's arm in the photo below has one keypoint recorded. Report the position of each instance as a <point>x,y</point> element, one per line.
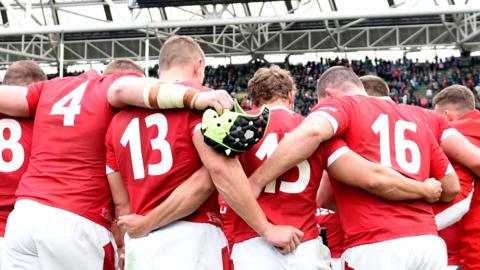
<point>120,197</point>
<point>121,203</point>
<point>460,149</point>
<point>293,149</point>
<point>441,169</point>
<point>380,180</point>
<point>450,187</point>
<point>325,196</point>
<point>231,182</point>
<point>13,100</point>
<point>183,201</point>
<point>151,93</point>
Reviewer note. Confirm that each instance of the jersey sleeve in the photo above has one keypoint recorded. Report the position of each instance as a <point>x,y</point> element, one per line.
<point>439,164</point>
<point>110,79</point>
<point>331,150</point>
<point>33,96</point>
<point>194,122</point>
<point>335,111</point>
<point>111,160</point>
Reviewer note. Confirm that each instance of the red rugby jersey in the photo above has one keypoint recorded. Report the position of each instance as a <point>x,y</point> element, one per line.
<point>381,132</point>
<point>447,213</point>
<point>154,153</point>
<point>469,231</point>
<point>291,199</point>
<point>67,164</point>
<point>15,143</point>
<point>439,126</point>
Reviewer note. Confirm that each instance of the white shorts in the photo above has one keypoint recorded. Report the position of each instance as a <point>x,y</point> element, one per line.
<point>407,253</point>
<point>1,250</point>
<point>337,264</point>
<point>257,254</point>
<point>43,237</point>
<point>181,245</point>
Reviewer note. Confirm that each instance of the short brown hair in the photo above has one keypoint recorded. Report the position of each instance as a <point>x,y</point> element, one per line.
<point>23,73</point>
<point>339,77</point>
<point>179,51</point>
<point>123,64</point>
<point>269,84</point>
<point>375,86</point>
<point>458,95</point>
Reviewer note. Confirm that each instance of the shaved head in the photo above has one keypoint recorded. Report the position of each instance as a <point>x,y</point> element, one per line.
<point>341,79</point>
<point>375,86</point>
<point>23,73</point>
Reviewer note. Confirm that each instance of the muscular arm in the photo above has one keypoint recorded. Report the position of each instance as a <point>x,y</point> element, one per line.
<point>121,201</point>
<point>13,100</point>
<point>231,182</point>
<point>450,187</point>
<point>379,180</point>
<point>183,201</point>
<point>138,91</point>
<point>293,149</point>
<point>459,149</point>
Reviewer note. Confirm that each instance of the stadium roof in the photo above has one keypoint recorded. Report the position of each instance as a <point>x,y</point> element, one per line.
<point>100,30</point>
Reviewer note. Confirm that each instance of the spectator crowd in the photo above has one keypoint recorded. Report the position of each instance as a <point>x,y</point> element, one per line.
<point>410,81</point>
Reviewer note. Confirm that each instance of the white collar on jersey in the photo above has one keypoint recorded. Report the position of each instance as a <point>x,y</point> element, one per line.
<point>384,97</point>
<point>279,107</point>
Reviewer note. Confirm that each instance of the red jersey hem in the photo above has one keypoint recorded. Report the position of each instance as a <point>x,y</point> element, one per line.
<point>381,237</point>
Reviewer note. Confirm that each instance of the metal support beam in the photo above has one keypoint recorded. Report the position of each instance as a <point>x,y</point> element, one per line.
<point>288,4</point>
<point>61,56</point>
<point>55,18</point>
<point>391,13</point>
<point>28,11</point>
<point>108,13</point>
<point>3,12</point>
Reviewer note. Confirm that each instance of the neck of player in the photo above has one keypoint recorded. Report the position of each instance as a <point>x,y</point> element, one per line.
<point>176,74</point>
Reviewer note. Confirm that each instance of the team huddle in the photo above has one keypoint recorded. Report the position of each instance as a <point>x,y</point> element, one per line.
<point>112,171</point>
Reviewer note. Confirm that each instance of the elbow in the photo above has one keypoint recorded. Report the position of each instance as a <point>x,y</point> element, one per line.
<point>218,172</point>
<point>315,133</point>
<point>450,195</point>
<point>451,191</point>
<point>115,92</point>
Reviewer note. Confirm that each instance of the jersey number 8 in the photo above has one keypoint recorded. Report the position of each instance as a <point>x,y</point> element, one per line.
<point>13,144</point>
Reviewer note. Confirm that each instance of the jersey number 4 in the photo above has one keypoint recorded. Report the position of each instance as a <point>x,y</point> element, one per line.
<point>12,144</point>
<point>69,111</point>
<point>131,136</point>
<point>266,149</point>
<point>401,144</point>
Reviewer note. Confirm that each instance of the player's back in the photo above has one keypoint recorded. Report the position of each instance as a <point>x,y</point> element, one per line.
<point>67,165</point>
<point>380,131</point>
<point>469,126</point>
<point>291,198</point>
<point>438,125</point>
<point>15,143</point>
<point>154,153</point>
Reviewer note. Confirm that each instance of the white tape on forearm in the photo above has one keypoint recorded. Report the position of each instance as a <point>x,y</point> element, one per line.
<point>170,96</point>
<point>146,91</point>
